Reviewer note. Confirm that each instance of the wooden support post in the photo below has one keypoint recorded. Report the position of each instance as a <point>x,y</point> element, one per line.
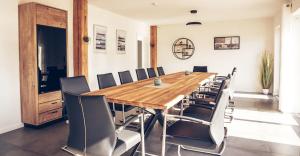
<point>80,31</point>
<point>153,44</point>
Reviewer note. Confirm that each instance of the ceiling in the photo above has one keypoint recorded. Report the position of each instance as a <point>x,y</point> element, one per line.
<point>177,11</point>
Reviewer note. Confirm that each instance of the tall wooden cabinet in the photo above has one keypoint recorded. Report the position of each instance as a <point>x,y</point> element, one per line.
<point>37,108</point>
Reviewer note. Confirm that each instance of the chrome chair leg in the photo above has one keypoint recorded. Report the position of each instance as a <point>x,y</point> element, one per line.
<point>73,152</point>
<point>163,149</point>
<point>114,109</point>
<point>178,150</point>
<point>220,152</point>
<point>123,113</point>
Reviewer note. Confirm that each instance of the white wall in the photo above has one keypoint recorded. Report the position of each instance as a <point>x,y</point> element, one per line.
<point>9,66</point>
<point>256,36</point>
<point>100,63</point>
<point>290,63</point>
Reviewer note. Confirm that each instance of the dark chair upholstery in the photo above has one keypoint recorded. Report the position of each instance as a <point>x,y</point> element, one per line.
<point>106,81</point>
<point>87,117</point>
<point>200,69</point>
<point>160,71</point>
<point>210,104</point>
<point>199,134</point>
<point>125,77</point>
<point>204,109</point>
<point>141,74</point>
<point>151,72</point>
<point>75,85</point>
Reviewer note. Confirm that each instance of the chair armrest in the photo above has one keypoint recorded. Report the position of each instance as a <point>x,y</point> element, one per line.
<point>220,77</point>
<point>187,118</point>
<point>202,106</point>
<point>128,122</point>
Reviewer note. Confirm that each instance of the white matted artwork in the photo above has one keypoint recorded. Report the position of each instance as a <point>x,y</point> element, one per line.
<point>100,36</point>
<point>121,41</point>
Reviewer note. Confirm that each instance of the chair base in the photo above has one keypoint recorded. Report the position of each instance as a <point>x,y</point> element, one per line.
<point>72,151</point>
<point>194,149</point>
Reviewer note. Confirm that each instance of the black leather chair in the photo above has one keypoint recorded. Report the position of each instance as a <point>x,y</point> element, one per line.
<point>92,130</point>
<point>199,135</point>
<point>151,72</point>
<point>200,69</point>
<point>204,109</point>
<point>211,98</point>
<point>125,77</point>
<point>141,74</point>
<point>106,81</point>
<point>160,71</point>
<point>75,85</point>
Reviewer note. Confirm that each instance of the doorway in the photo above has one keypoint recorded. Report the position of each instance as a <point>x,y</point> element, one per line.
<point>277,55</point>
<point>140,54</point>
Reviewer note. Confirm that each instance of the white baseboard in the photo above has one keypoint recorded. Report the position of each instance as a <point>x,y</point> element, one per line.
<point>11,128</point>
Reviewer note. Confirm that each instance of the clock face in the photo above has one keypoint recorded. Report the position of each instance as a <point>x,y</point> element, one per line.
<point>183,48</point>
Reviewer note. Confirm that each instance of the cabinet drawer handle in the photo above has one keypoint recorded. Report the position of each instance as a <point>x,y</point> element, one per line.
<point>53,103</point>
<point>54,112</point>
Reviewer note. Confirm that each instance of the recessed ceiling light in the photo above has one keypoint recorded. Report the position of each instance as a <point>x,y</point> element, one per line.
<point>154,4</point>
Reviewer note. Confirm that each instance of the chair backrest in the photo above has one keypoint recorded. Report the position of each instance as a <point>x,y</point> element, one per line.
<point>160,71</point>
<point>217,121</point>
<point>222,86</point>
<point>75,85</point>
<point>200,69</point>
<point>233,71</point>
<point>151,72</point>
<point>125,77</point>
<point>87,116</point>
<point>141,74</point>
<point>232,83</point>
<point>106,80</point>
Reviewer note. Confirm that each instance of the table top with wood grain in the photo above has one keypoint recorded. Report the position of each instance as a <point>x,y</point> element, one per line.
<point>145,95</point>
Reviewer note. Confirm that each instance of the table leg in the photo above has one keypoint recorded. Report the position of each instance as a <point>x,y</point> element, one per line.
<point>163,148</point>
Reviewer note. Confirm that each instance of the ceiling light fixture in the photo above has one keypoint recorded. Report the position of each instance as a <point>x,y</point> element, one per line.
<point>193,22</point>
<point>154,4</point>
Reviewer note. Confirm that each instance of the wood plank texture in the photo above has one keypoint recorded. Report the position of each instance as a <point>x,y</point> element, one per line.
<point>51,96</point>
<point>140,94</point>
<point>153,46</point>
<point>51,16</point>
<point>28,63</point>
<point>80,30</point>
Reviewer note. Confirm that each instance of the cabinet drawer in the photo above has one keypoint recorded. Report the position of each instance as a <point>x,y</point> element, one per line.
<point>51,16</point>
<point>47,97</point>
<point>48,106</point>
<point>50,115</point>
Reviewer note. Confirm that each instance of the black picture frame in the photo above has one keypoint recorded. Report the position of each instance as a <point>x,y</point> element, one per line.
<point>227,43</point>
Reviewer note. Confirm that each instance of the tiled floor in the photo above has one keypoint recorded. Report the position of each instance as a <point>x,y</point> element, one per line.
<point>257,130</point>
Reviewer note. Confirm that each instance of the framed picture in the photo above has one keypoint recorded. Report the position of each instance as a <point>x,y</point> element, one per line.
<point>227,43</point>
<point>100,36</point>
<point>121,41</point>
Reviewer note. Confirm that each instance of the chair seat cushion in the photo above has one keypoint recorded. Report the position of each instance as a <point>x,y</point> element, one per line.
<point>190,134</point>
<point>118,107</point>
<point>198,113</point>
<point>126,140</point>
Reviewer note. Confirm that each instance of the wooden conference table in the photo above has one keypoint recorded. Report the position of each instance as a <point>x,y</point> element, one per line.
<point>145,95</point>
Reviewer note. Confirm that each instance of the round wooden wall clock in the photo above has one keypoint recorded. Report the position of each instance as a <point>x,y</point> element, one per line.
<point>183,48</point>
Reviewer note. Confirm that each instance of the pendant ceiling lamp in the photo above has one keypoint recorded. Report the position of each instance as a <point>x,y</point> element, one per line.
<point>193,22</point>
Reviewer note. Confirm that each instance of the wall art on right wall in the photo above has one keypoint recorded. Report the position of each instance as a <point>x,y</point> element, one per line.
<point>227,43</point>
